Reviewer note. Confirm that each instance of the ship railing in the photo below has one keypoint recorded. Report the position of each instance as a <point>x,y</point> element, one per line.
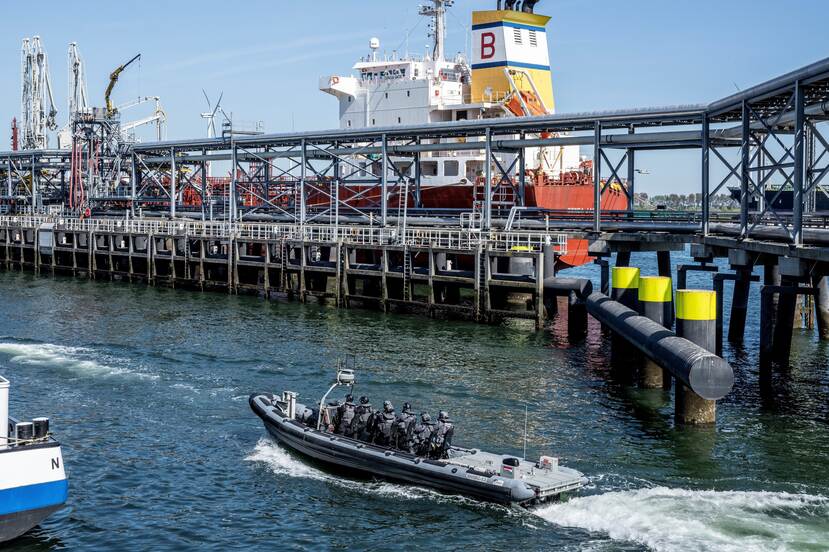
<point>527,241</point>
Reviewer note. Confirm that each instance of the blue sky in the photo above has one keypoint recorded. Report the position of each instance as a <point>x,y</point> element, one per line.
<point>267,56</point>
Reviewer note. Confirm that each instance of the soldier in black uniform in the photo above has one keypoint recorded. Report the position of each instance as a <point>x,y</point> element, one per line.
<point>421,436</point>
<point>384,425</point>
<point>362,425</point>
<point>345,417</point>
<point>403,426</point>
<point>441,438</point>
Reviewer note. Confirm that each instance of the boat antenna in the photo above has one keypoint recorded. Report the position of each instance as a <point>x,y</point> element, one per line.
<point>525,432</point>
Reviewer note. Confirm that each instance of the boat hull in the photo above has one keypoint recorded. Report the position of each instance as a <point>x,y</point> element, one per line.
<point>33,485</point>
<point>465,472</point>
<point>341,452</point>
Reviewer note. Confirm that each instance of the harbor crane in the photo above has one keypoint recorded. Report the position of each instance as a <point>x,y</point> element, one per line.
<point>37,107</point>
<point>113,79</point>
<point>77,101</point>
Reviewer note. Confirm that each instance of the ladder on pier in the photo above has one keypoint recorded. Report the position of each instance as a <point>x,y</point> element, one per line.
<point>481,299</point>
<point>407,274</point>
<point>402,211</point>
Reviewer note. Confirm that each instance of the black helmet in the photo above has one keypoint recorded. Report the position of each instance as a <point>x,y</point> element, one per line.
<point>387,406</point>
<point>407,407</point>
<point>363,400</point>
<point>425,418</point>
<point>443,416</point>
<point>349,399</point>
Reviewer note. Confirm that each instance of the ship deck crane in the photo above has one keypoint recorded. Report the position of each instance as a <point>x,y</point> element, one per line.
<point>113,79</point>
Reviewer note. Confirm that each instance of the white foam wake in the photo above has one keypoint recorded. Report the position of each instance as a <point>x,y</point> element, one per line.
<point>78,360</point>
<point>280,462</point>
<point>666,519</point>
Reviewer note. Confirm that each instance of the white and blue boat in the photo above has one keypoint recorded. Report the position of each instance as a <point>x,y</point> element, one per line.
<point>33,481</point>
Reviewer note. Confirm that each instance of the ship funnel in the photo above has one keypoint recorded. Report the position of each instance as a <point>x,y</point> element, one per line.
<point>509,53</point>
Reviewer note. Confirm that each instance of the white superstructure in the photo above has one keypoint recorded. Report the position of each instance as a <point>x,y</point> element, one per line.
<point>386,91</point>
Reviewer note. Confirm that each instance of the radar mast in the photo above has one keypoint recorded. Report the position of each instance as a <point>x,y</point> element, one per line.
<point>437,29</point>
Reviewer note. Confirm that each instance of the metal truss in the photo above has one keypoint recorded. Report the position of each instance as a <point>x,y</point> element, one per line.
<point>768,141</point>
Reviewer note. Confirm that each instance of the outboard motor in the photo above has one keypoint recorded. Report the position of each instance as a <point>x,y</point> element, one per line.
<point>508,467</point>
<point>289,398</point>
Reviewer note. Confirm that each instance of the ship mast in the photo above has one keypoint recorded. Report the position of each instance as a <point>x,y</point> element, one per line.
<point>438,27</point>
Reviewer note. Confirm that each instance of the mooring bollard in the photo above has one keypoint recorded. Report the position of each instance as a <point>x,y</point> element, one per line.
<point>655,303</point>
<point>625,286</point>
<point>696,319</point>
<point>624,289</point>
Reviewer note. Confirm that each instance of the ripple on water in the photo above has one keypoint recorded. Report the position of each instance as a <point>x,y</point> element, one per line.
<point>667,519</point>
<point>80,361</point>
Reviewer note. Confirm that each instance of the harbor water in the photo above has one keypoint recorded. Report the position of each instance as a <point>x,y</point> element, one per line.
<point>147,390</point>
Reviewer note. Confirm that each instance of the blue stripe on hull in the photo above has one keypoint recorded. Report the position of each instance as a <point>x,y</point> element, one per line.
<point>31,497</point>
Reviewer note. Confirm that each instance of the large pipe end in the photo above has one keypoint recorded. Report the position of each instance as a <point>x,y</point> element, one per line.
<point>711,377</point>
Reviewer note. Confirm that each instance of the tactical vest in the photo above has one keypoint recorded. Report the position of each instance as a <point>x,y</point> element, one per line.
<point>441,437</point>
<point>383,428</point>
<point>346,418</point>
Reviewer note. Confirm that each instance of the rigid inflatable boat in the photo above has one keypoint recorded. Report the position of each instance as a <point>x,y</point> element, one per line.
<point>481,475</point>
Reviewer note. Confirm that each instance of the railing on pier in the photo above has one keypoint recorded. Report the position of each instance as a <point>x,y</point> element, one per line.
<point>423,237</point>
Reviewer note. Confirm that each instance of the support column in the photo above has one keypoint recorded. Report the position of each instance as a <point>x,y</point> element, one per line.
<point>303,175</point>
<point>173,178</point>
<point>384,182</point>
<point>739,305</point>
<point>576,318</point>
<point>623,258</point>
<point>233,171</point>
<point>604,268</point>
<point>821,285</point>
<point>663,261</point>
<point>706,174</point>
<point>768,313</point>
<point>597,177</point>
<point>771,277</point>
<point>625,290</point>
<point>784,321</point>
<point>696,312</point>
<point>656,303</point>
<point>488,184</point>
<point>539,290</point>
<point>798,169</point>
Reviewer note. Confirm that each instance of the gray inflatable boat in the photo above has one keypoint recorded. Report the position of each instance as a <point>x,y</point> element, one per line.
<point>481,475</point>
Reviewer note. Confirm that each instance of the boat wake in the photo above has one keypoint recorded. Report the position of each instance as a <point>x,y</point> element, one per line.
<point>282,463</point>
<point>77,360</point>
<point>666,519</point>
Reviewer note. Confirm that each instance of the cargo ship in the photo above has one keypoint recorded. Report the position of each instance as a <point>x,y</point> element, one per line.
<point>509,75</point>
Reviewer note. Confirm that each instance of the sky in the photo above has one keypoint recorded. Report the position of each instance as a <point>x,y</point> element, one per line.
<point>267,56</point>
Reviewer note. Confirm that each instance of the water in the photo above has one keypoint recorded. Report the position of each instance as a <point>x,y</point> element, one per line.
<point>147,389</point>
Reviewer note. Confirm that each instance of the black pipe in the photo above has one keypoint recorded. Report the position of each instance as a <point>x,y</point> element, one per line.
<point>561,287</point>
<point>706,374</point>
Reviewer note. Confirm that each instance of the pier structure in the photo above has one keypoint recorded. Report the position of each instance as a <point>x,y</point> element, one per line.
<point>430,270</point>
<point>338,215</point>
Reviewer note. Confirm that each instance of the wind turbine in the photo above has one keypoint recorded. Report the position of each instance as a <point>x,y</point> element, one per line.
<point>210,115</point>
